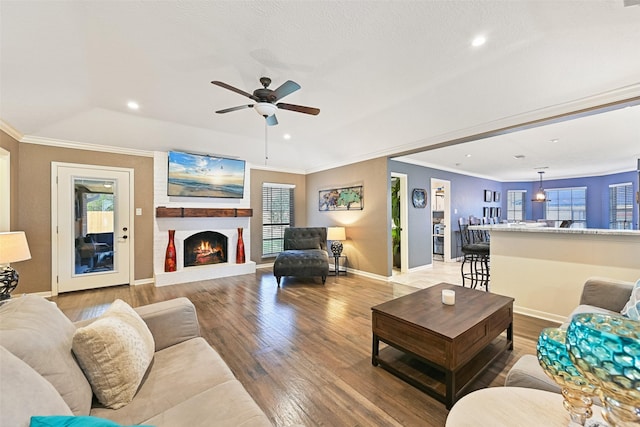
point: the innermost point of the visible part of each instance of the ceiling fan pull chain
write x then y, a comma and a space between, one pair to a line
266, 151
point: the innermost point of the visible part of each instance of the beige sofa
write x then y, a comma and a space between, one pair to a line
187, 383
599, 295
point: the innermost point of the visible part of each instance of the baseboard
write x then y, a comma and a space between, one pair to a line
46, 294
143, 281
539, 314
420, 268
368, 275
265, 265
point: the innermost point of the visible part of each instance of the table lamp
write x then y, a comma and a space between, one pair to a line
335, 235
553, 358
13, 248
606, 350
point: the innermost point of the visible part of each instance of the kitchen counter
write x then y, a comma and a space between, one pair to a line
544, 268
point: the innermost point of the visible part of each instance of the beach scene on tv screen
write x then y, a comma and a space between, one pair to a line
194, 175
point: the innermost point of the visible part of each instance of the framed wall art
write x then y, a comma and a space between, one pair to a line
496, 196
341, 199
419, 197
488, 195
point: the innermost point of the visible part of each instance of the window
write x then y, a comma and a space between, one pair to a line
277, 214
515, 205
620, 206
567, 204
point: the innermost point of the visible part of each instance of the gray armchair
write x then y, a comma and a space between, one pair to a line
304, 255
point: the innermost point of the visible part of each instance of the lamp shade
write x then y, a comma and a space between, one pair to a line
336, 233
13, 247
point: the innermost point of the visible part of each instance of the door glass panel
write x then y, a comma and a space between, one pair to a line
94, 225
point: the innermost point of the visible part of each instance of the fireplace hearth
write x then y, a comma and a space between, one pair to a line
204, 248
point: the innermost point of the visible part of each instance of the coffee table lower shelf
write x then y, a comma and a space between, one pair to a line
438, 382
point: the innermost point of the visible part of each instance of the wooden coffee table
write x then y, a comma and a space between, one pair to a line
441, 348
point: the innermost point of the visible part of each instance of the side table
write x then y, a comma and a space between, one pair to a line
513, 406
339, 265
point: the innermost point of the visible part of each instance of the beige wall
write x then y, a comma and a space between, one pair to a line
367, 230
258, 177
368, 234
34, 207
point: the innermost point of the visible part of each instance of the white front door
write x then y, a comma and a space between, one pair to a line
91, 226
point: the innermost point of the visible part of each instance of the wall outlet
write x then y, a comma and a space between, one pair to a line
138, 211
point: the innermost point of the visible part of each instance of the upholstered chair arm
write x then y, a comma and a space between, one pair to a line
606, 293
171, 322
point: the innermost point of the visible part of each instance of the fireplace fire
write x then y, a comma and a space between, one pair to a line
206, 247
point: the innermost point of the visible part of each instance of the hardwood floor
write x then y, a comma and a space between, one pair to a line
304, 351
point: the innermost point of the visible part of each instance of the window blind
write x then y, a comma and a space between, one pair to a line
277, 214
621, 206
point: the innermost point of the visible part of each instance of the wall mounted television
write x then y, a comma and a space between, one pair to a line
201, 175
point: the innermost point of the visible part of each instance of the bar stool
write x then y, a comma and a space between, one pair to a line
475, 255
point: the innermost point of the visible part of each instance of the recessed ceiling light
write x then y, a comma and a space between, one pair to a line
133, 105
468, 155
286, 136
519, 156
478, 41
554, 140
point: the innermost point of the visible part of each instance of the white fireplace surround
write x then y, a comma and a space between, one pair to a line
185, 227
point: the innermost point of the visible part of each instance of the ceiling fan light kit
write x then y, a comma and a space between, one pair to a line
265, 109
266, 100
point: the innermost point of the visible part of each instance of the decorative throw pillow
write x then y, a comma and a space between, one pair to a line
61, 421
632, 308
114, 352
25, 392
301, 244
39, 334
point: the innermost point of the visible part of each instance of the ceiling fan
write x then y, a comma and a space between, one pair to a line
266, 100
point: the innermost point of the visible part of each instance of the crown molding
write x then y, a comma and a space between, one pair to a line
10, 130
277, 169
27, 139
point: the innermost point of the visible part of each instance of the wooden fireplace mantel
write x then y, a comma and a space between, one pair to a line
164, 212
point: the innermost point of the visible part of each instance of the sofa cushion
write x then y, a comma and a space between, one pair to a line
38, 333
225, 405
114, 352
25, 392
177, 373
528, 373
632, 308
301, 244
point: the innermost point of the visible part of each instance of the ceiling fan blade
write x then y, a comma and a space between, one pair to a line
299, 108
228, 110
285, 89
271, 120
234, 89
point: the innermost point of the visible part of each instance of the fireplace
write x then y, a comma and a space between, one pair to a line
205, 247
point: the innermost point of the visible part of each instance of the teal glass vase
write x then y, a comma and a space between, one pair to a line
553, 358
606, 350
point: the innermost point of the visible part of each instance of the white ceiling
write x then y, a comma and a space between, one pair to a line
388, 76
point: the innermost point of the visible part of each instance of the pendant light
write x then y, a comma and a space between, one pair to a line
540, 195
